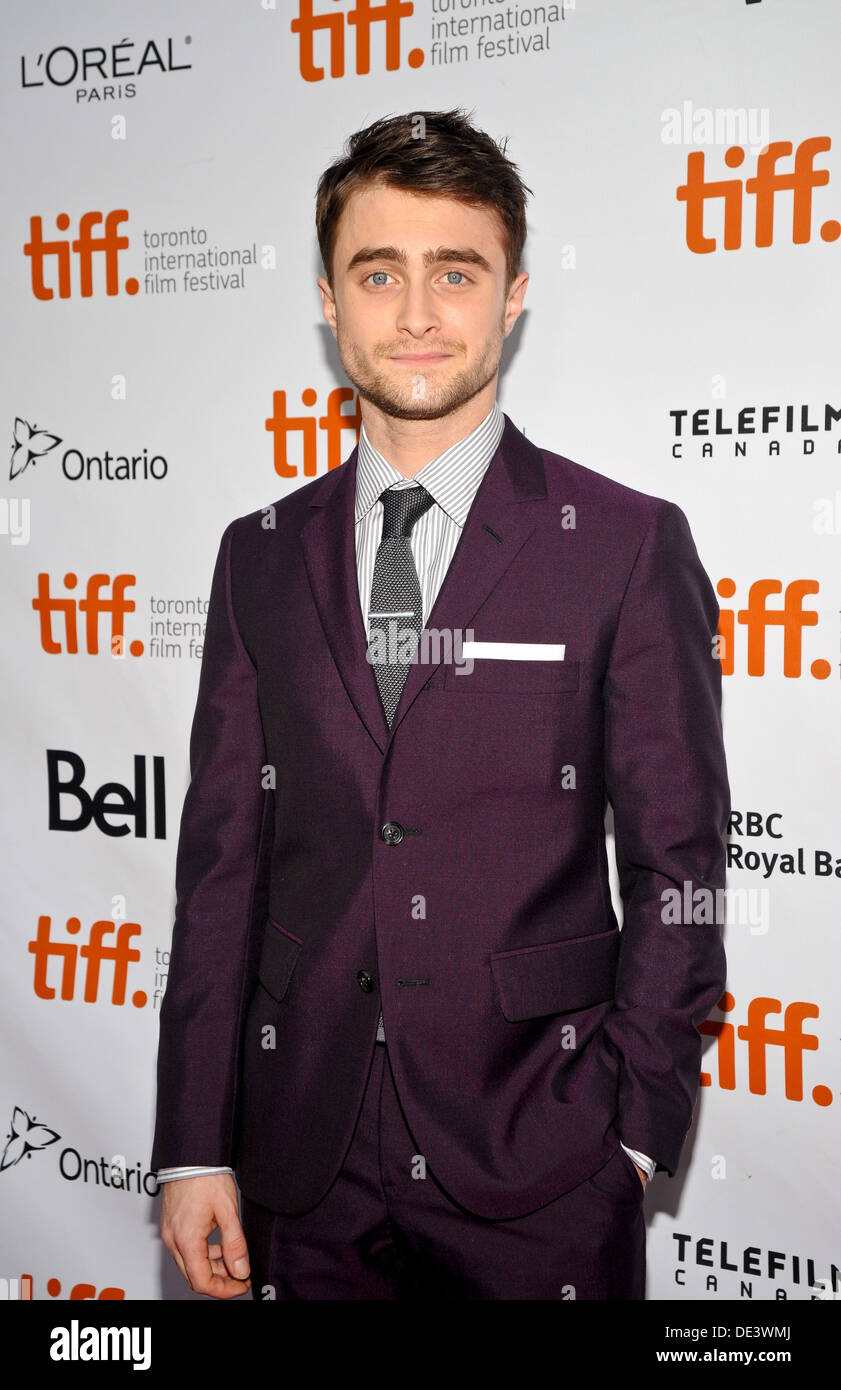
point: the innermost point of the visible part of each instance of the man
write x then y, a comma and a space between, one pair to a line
399, 1006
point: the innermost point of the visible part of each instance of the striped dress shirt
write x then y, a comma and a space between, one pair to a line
452, 479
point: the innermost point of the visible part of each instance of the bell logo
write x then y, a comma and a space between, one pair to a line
359, 20
792, 617
759, 1036
85, 246
113, 807
768, 181
120, 954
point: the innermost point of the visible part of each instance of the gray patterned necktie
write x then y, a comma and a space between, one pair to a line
395, 613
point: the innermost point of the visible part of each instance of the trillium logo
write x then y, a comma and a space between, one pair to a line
26, 1136
30, 444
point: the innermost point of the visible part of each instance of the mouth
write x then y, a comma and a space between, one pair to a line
414, 357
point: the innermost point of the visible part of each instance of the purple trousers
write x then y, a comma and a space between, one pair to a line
386, 1230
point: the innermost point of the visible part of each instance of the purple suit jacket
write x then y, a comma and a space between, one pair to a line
526, 1032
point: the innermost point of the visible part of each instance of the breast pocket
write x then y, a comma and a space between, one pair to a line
278, 958
495, 675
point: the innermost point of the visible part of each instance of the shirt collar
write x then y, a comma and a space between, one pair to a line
452, 478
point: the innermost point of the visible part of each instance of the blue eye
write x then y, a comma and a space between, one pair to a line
379, 272
455, 272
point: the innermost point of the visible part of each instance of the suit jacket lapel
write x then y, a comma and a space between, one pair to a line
495, 529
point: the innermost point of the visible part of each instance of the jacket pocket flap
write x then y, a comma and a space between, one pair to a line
556, 977
496, 675
278, 959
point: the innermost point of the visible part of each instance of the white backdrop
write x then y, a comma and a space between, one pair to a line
204, 120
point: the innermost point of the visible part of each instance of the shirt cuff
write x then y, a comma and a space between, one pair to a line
647, 1164
172, 1174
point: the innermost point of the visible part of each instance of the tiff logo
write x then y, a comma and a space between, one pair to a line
16, 1289
121, 954
759, 1036
767, 182
92, 606
19, 1289
359, 20
332, 423
58, 255
758, 617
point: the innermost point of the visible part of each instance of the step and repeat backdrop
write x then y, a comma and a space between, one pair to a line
167, 368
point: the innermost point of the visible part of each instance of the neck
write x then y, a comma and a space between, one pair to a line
410, 444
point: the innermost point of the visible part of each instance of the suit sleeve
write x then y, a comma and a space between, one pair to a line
219, 848
666, 779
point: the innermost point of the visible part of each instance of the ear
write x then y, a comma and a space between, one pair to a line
328, 303
514, 300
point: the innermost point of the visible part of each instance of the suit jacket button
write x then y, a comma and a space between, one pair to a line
366, 981
392, 832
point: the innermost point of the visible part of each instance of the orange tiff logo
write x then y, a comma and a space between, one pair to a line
359, 20
759, 1036
22, 1289
332, 423
120, 954
95, 603
757, 617
768, 181
56, 256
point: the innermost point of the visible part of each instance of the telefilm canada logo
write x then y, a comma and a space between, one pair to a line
106, 71
721, 1266
767, 431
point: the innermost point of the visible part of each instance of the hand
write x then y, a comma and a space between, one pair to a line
193, 1208
642, 1174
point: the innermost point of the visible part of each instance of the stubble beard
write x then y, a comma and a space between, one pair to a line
421, 397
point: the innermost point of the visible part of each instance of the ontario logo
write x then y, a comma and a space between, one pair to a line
31, 443
26, 1136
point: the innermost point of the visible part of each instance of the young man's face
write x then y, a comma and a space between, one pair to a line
419, 305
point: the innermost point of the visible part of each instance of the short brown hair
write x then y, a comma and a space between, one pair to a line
450, 159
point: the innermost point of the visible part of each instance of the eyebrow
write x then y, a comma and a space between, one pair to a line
465, 254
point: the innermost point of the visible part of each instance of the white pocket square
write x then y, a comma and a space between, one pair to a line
515, 651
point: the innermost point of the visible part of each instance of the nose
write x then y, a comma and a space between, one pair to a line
418, 312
